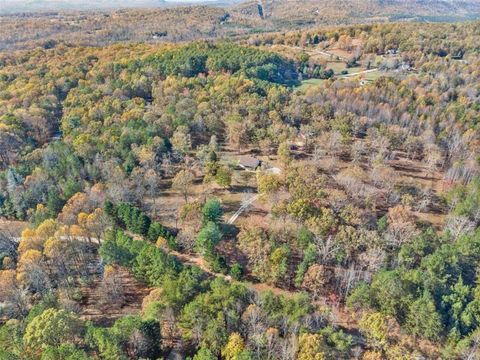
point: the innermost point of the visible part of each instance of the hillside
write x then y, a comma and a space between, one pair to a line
320, 12
308, 194
217, 20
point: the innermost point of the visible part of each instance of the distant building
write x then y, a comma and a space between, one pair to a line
249, 162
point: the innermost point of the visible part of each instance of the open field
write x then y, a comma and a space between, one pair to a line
306, 84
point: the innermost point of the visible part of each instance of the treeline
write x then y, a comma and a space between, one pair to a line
131, 218
194, 59
431, 39
148, 262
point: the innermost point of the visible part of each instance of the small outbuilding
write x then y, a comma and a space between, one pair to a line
249, 162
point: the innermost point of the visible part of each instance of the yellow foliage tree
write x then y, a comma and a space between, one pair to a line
310, 347
375, 327
26, 262
47, 229
234, 347
33, 239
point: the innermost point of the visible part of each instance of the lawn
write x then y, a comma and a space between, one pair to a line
309, 83
336, 66
372, 76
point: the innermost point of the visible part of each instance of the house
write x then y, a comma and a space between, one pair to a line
249, 162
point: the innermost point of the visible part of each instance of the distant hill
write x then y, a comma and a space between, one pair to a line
166, 21
10, 6
278, 9
305, 12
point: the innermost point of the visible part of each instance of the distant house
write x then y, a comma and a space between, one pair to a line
249, 162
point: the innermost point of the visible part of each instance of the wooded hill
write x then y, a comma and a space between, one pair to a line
359, 232
186, 23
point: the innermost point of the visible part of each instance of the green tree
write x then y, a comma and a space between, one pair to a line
223, 176
279, 263
204, 354
64, 352
212, 211
388, 290
215, 334
236, 271
52, 328
284, 154
455, 302
107, 344
54, 203
208, 238
301, 209
153, 265
11, 340
116, 248
268, 183
423, 320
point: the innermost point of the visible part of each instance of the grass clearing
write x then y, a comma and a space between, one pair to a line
306, 84
372, 76
336, 66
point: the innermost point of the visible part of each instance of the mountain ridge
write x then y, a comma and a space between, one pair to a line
168, 22
11, 6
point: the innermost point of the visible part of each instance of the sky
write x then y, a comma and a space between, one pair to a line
39, 5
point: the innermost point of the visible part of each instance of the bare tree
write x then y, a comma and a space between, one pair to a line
424, 200
183, 182
472, 352
458, 226
357, 151
8, 245
152, 185
433, 159
9, 146
167, 165
112, 288
326, 248
289, 347
374, 258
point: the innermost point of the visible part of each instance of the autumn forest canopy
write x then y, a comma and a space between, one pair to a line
296, 194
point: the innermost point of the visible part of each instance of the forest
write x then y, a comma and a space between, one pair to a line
27, 24
306, 194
